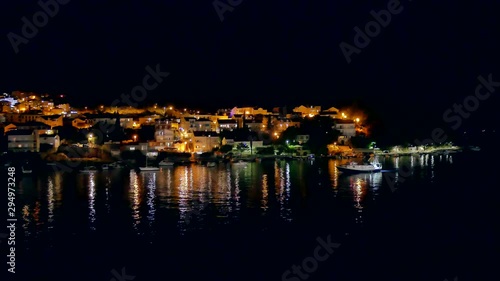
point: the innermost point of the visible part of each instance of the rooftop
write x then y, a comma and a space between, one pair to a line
19, 132
227, 121
205, 134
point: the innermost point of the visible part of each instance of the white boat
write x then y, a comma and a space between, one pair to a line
354, 167
166, 163
26, 170
89, 169
149, 169
105, 167
211, 164
475, 148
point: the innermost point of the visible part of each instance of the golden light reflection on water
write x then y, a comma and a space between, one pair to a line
334, 175
358, 186
279, 179
197, 195
135, 198
282, 187
183, 198
265, 193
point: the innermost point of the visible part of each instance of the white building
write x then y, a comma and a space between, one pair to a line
347, 129
205, 141
23, 141
228, 124
165, 138
52, 140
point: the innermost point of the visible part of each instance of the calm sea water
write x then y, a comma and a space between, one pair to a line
256, 222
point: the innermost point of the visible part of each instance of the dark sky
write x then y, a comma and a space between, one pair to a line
264, 53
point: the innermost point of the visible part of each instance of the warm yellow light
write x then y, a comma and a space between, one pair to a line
357, 119
170, 108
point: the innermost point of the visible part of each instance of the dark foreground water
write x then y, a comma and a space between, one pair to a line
267, 221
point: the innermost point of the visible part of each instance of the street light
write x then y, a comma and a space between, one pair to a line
90, 136
135, 138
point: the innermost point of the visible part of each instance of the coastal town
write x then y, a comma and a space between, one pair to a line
47, 125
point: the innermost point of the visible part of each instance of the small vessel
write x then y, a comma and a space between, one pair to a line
148, 168
211, 164
166, 163
105, 167
370, 167
474, 148
89, 169
26, 169
354, 167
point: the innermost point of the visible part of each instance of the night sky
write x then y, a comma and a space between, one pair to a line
264, 53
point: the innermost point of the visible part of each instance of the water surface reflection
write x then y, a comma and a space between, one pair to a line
189, 198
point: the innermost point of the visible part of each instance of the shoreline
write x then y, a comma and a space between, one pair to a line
453, 149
